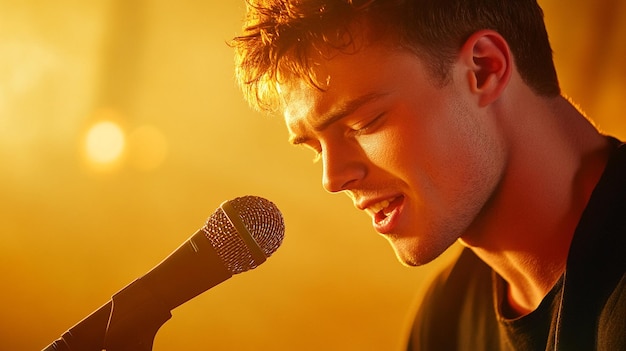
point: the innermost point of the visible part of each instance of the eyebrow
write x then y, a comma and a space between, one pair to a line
337, 114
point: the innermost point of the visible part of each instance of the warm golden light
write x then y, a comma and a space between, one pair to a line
147, 148
104, 143
122, 130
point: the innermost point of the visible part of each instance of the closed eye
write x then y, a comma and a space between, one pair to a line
368, 126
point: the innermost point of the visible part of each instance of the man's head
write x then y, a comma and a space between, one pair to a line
407, 104
282, 38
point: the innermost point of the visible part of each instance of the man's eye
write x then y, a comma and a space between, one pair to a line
362, 128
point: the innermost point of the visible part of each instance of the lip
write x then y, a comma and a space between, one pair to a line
381, 223
365, 203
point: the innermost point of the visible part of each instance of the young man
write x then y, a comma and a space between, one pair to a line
443, 119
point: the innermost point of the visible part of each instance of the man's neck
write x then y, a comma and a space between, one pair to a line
524, 234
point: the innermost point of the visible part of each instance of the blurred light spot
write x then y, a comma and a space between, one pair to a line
104, 143
147, 148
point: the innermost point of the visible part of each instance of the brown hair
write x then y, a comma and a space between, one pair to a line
281, 36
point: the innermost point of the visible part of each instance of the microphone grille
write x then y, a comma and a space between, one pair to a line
263, 221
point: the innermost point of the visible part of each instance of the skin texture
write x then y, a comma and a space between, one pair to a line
407, 139
465, 161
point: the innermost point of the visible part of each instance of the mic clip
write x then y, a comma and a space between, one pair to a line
135, 319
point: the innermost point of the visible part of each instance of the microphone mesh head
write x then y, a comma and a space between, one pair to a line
262, 219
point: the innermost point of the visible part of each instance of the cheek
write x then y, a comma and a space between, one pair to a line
449, 147
387, 149
469, 161
453, 134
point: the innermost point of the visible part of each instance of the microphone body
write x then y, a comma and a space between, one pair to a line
238, 236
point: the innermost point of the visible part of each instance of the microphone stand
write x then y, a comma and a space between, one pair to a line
129, 322
131, 319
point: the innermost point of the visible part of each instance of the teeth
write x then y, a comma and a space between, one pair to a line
386, 212
378, 207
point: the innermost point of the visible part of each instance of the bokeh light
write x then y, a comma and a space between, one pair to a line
104, 143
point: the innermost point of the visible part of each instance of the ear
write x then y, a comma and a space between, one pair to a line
488, 58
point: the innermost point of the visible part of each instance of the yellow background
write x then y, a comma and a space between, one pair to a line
72, 233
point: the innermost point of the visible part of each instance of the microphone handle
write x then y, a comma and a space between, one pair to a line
128, 322
131, 319
96, 323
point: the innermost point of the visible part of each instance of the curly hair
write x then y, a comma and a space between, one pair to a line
281, 37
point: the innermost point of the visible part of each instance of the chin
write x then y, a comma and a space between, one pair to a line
413, 260
414, 254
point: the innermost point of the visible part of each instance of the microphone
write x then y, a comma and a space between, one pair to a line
237, 237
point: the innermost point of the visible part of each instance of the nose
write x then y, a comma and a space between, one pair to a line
343, 167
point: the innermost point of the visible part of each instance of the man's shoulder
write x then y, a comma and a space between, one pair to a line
593, 307
459, 296
466, 269
466, 280
612, 321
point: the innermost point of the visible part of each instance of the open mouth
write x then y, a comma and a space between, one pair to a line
382, 211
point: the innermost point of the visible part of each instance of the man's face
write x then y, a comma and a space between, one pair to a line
422, 160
